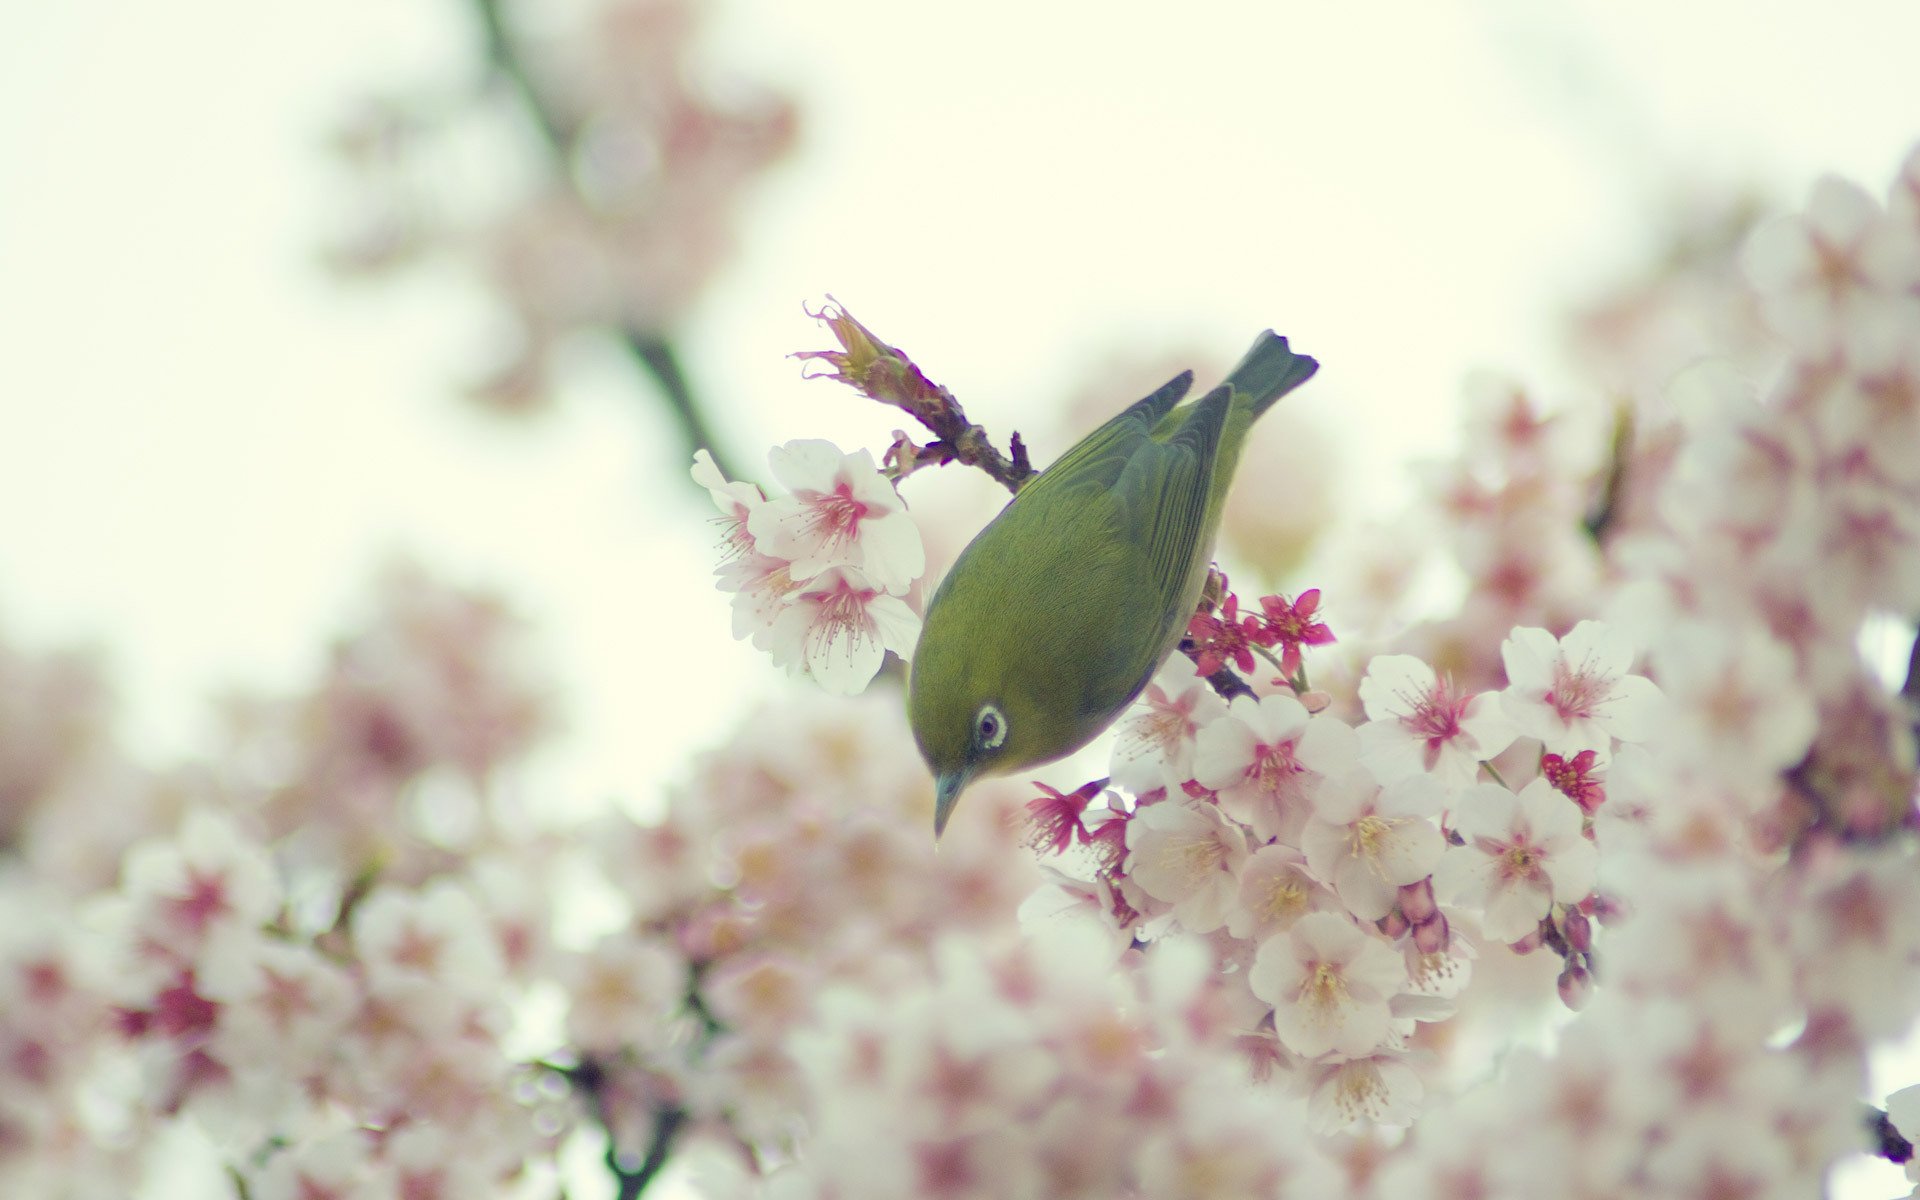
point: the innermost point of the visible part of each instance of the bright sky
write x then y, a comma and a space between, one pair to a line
208, 445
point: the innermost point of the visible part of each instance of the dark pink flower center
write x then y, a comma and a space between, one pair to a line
837, 515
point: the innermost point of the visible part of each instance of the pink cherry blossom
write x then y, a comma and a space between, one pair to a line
1275, 891
1379, 1089
1369, 840
1523, 854
1812, 270
1186, 855
841, 513
1419, 721
1329, 985
837, 629
1153, 745
1575, 693
736, 502
1262, 756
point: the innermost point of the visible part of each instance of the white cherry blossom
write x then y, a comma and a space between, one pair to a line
1330, 985
1369, 840
1419, 721
841, 513
837, 629
1523, 854
1575, 693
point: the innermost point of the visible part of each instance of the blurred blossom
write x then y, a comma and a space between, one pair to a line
647, 160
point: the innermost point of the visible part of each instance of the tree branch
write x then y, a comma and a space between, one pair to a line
650, 349
880, 372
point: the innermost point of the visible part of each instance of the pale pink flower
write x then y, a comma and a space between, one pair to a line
1811, 269
842, 513
1262, 755
1420, 721
1369, 840
1523, 854
625, 991
1575, 693
209, 880
1380, 1089
763, 588
1330, 985
1186, 855
1276, 891
437, 934
736, 502
282, 1006
1153, 745
837, 629
1738, 706
1856, 943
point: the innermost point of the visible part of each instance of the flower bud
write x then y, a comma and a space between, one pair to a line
1578, 931
1527, 944
1393, 924
1433, 935
1608, 910
1416, 900
1576, 987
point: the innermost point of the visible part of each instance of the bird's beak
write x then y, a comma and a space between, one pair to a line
946, 794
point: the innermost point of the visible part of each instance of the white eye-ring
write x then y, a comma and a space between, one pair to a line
989, 727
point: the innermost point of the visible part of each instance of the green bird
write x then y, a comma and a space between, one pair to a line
1058, 612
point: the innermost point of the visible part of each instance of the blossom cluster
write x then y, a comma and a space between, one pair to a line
818, 573
1328, 866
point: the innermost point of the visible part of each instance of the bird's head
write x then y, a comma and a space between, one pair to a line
972, 718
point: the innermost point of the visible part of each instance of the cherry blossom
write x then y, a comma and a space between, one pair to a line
1329, 985
837, 628
1523, 854
1275, 891
1293, 626
736, 502
1369, 840
1575, 693
1186, 856
1153, 746
840, 512
1418, 721
1262, 756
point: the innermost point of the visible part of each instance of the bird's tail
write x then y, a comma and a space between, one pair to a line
1269, 371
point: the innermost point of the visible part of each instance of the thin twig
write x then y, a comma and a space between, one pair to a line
882, 372
1600, 520
1887, 1141
650, 349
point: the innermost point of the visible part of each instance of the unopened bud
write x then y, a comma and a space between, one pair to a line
1393, 924
1416, 900
1576, 987
1608, 910
1433, 935
1527, 944
1577, 930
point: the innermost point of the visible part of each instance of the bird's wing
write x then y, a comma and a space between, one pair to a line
1099, 459
1163, 495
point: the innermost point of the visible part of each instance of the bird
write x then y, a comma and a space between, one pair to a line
1063, 606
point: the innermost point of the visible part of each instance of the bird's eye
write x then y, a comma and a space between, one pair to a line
989, 727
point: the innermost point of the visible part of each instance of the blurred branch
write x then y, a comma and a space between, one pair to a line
1600, 519
651, 350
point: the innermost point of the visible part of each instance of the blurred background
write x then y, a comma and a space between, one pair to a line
249, 264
